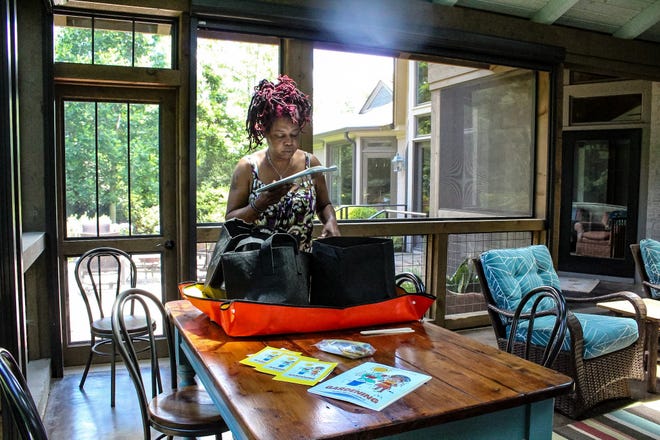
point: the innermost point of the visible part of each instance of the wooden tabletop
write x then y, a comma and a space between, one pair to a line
626, 308
469, 379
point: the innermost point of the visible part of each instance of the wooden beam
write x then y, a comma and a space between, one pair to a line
552, 11
640, 22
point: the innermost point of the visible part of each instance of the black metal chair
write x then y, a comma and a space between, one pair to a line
181, 411
17, 400
101, 274
544, 351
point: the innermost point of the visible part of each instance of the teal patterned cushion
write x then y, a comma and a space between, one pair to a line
650, 250
510, 273
602, 334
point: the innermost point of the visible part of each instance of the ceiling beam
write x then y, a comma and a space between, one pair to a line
552, 11
445, 2
640, 22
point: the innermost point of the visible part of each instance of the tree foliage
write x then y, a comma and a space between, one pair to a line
112, 155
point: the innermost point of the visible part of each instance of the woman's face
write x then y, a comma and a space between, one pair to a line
283, 138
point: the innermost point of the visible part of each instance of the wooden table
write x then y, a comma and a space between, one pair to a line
652, 324
477, 391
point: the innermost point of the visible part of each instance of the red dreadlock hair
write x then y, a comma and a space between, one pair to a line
271, 101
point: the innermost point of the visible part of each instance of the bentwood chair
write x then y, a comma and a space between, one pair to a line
548, 315
101, 274
180, 411
647, 261
600, 352
17, 400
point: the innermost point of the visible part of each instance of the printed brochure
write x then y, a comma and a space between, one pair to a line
292, 178
371, 385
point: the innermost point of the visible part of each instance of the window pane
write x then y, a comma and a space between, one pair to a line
72, 38
351, 90
80, 168
340, 184
227, 72
617, 108
422, 176
144, 169
112, 169
422, 83
153, 45
379, 174
115, 42
487, 147
423, 124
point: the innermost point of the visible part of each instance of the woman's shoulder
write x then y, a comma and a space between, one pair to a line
311, 160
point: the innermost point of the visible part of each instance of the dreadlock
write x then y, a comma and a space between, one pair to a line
271, 101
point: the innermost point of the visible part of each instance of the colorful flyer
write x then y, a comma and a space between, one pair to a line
371, 385
307, 372
266, 355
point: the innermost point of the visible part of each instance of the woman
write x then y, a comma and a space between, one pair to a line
278, 113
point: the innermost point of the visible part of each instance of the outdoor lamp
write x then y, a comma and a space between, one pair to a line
398, 163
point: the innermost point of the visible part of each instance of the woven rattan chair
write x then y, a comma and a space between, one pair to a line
600, 352
179, 411
17, 400
652, 290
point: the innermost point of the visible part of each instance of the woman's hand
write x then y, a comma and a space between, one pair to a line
267, 198
330, 229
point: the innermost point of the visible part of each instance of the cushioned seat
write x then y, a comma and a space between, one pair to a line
603, 334
600, 352
650, 251
514, 272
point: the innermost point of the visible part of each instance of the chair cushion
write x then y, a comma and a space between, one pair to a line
596, 235
650, 250
510, 273
602, 334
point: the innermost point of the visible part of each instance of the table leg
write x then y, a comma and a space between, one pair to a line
652, 356
185, 371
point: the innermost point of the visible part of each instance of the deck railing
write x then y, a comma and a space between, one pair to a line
430, 248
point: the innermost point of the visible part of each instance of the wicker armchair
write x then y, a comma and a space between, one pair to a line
648, 270
600, 372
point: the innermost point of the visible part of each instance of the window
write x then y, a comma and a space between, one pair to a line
340, 184
423, 93
615, 108
227, 72
111, 155
113, 41
486, 162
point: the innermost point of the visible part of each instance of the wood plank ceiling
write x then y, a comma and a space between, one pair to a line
626, 19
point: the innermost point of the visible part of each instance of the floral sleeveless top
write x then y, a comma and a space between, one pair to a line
294, 212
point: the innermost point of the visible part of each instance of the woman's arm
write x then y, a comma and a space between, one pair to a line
238, 205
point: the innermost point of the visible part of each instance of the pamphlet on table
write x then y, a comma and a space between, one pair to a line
371, 385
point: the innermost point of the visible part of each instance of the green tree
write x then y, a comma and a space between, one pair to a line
227, 72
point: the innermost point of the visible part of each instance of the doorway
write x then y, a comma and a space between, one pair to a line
116, 173
600, 187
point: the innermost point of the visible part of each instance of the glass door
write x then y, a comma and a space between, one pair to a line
600, 183
117, 159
